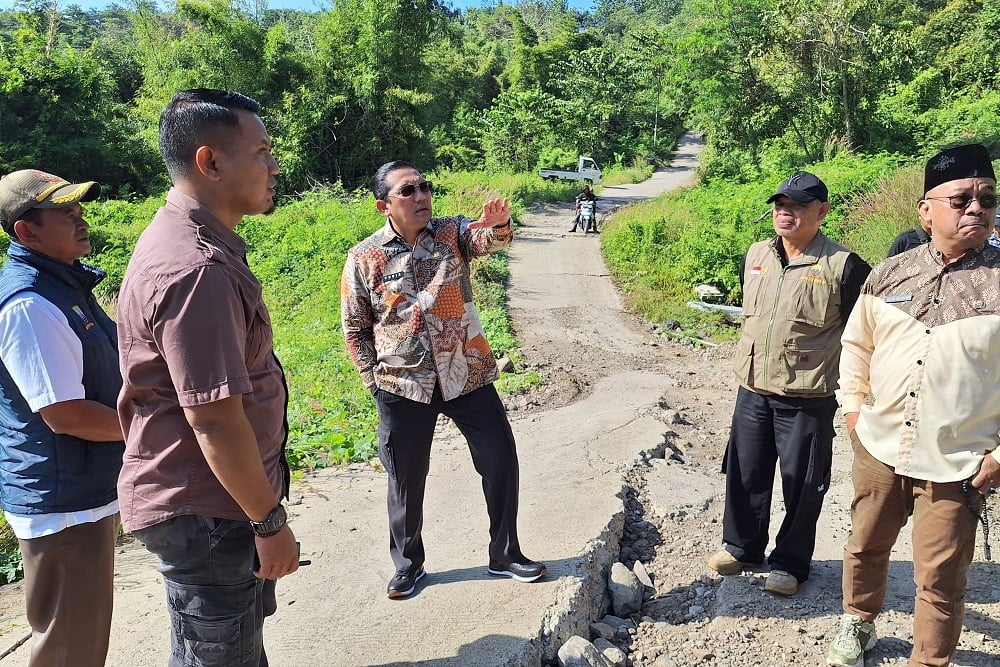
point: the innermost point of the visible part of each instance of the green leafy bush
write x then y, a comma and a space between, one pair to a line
11, 568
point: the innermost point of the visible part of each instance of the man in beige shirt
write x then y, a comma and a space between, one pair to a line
920, 391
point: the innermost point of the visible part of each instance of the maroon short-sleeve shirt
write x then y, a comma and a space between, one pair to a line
192, 329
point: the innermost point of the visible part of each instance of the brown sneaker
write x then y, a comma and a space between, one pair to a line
782, 583
724, 562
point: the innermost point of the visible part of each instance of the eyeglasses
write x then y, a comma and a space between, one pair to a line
410, 189
961, 202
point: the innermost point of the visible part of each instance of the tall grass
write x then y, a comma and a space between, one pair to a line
658, 251
879, 215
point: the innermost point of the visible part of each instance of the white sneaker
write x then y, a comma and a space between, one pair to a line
855, 637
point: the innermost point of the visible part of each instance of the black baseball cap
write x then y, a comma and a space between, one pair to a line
803, 187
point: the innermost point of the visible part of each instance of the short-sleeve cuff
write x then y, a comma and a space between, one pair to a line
195, 397
36, 403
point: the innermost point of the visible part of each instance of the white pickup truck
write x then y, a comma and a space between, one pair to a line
586, 170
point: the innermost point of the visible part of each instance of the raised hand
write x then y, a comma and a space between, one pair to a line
495, 212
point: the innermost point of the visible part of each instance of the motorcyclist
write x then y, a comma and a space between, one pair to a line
585, 195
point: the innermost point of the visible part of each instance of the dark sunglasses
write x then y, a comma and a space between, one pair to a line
961, 202
409, 189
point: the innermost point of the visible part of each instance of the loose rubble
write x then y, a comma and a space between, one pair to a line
689, 615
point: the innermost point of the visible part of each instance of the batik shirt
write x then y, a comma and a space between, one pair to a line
923, 346
407, 312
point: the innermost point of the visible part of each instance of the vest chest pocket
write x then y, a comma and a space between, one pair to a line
811, 298
752, 287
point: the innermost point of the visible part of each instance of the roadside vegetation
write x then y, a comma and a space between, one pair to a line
658, 251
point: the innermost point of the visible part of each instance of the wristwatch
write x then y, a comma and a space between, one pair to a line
273, 524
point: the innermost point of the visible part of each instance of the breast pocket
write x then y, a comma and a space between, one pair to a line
812, 301
260, 338
752, 295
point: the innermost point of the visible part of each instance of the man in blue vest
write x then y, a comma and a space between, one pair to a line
60, 438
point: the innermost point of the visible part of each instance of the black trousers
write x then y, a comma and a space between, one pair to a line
405, 432
797, 434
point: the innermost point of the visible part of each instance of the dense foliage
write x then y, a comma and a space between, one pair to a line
771, 83
343, 90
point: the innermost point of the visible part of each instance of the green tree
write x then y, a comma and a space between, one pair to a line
61, 110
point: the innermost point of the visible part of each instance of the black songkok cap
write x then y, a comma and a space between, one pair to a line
969, 161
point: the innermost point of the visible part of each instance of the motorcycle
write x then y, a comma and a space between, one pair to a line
588, 218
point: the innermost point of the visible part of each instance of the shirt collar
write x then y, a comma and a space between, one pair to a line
193, 209
388, 234
970, 254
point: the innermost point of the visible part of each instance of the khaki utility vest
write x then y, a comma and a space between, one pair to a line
791, 332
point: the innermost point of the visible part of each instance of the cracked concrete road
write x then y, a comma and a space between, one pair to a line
573, 452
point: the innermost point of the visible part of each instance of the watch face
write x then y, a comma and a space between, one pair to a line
274, 522
279, 516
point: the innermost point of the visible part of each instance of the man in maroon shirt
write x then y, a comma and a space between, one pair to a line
204, 402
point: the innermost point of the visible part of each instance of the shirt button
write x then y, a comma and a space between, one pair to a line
909, 423
937, 302
920, 362
927, 331
913, 394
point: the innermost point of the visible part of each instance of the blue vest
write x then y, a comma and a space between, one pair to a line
42, 472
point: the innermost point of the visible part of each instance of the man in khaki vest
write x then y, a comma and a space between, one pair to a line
798, 289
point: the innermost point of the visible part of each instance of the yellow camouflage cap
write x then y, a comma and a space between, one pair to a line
26, 189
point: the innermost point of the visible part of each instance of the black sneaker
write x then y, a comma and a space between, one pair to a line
403, 584
524, 571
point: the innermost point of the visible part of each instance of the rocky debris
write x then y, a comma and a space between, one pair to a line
614, 655
602, 630
640, 571
625, 590
578, 652
692, 617
505, 365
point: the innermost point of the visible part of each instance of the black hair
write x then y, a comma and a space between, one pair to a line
195, 117
32, 215
380, 184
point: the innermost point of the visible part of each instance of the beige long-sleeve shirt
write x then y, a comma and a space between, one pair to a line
924, 342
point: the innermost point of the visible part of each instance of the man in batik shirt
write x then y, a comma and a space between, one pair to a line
415, 336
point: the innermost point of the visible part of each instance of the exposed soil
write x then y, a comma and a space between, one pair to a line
675, 503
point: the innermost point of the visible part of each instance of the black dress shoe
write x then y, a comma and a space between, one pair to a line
525, 570
403, 584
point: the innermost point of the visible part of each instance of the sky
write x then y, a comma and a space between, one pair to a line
310, 5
